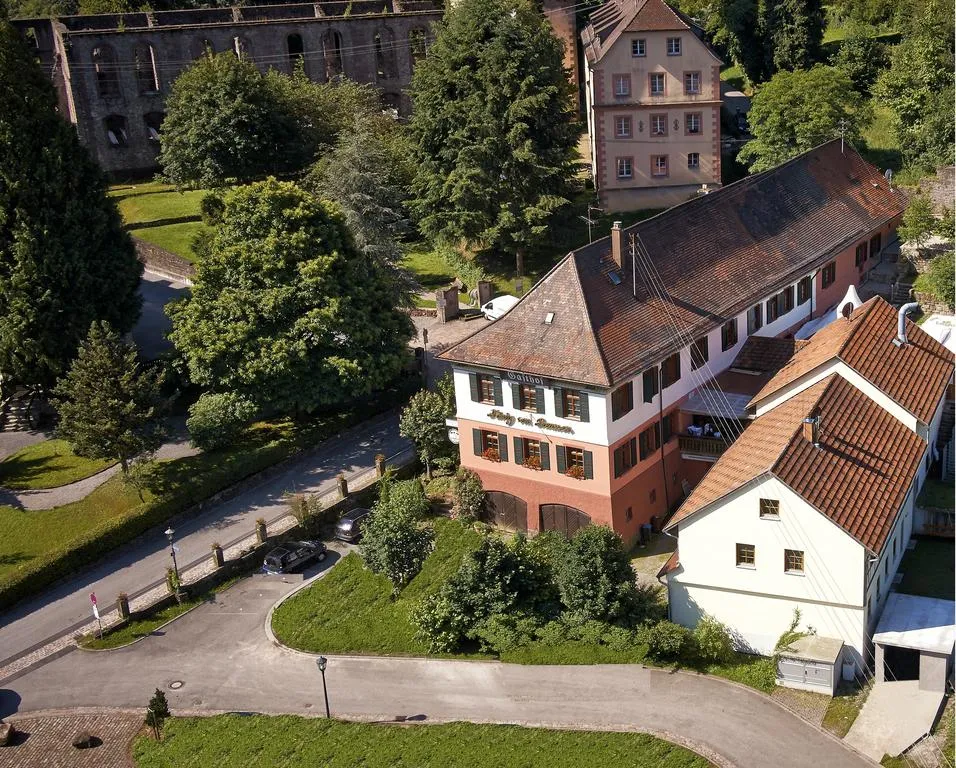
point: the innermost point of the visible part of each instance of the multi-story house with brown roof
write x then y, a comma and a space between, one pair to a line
609, 390
652, 90
812, 507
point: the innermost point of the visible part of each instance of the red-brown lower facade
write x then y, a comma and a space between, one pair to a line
527, 499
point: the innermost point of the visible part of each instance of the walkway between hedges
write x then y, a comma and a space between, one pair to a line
219, 658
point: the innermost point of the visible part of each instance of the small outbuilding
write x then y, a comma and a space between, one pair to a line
915, 640
811, 663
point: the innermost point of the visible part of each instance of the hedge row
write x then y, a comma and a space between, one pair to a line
229, 468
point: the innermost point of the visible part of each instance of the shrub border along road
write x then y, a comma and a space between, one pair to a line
272, 456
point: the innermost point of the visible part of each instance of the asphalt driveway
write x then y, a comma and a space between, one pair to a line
222, 656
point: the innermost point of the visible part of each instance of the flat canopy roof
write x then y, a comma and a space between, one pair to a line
706, 401
919, 623
814, 648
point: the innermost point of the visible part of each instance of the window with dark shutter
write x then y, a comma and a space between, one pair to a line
803, 290
671, 370
786, 297
773, 309
561, 456
588, 465
650, 385
473, 385
754, 319
584, 407
622, 401
519, 450
558, 402
503, 446
876, 243
545, 456
860, 256
828, 277
699, 353
728, 335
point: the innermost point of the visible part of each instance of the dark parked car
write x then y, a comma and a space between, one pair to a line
349, 527
293, 554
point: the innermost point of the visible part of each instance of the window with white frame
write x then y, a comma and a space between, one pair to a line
658, 165
657, 82
692, 121
673, 46
692, 83
622, 85
658, 125
624, 169
622, 126
693, 160
639, 47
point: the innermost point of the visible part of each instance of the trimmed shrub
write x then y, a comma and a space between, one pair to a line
712, 640
667, 640
595, 577
469, 495
217, 419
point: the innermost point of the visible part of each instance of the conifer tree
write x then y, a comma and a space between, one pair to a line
109, 406
65, 260
493, 127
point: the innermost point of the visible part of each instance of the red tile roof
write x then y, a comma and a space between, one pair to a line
858, 477
766, 354
716, 255
914, 376
672, 564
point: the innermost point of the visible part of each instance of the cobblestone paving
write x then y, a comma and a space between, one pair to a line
810, 706
46, 741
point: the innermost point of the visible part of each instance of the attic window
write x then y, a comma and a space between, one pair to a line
615, 278
549, 318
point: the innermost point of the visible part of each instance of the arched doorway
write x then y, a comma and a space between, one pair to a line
561, 517
505, 510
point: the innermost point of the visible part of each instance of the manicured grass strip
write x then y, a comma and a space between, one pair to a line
152, 202
230, 741
928, 570
351, 610
138, 629
175, 238
47, 465
843, 709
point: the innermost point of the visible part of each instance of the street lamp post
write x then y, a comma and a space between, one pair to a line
172, 551
322, 663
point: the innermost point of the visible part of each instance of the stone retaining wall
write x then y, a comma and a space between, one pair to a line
163, 263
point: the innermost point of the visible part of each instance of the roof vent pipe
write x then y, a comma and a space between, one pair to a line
617, 244
901, 321
811, 430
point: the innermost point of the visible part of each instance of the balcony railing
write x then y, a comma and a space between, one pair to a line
702, 447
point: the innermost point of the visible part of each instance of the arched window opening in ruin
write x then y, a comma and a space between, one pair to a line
202, 47
154, 123
332, 53
242, 48
385, 55
417, 45
295, 49
107, 76
116, 131
144, 63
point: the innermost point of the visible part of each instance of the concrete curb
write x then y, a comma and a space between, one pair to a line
139, 639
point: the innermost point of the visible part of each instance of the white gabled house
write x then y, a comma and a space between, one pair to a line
812, 507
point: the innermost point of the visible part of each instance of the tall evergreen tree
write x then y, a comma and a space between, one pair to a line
285, 310
109, 406
367, 174
65, 260
493, 127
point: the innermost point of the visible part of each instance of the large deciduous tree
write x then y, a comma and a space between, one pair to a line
226, 122
285, 310
65, 260
796, 111
109, 406
595, 577
493, 128
918, 87
423, 421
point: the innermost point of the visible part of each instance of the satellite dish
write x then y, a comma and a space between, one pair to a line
888, 174
847, 309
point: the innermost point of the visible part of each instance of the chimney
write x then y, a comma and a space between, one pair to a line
811, 430
901, 339
617, 246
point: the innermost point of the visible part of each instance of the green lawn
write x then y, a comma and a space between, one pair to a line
429, 267
143, 203
47, 465
260, 741
351, 610
734, 77
844, 707
136, 630
882, 145
175, 238
928, 569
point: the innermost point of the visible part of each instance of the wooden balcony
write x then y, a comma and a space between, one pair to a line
702, 448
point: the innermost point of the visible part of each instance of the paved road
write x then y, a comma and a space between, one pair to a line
225, 661
143, 563
150, 332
